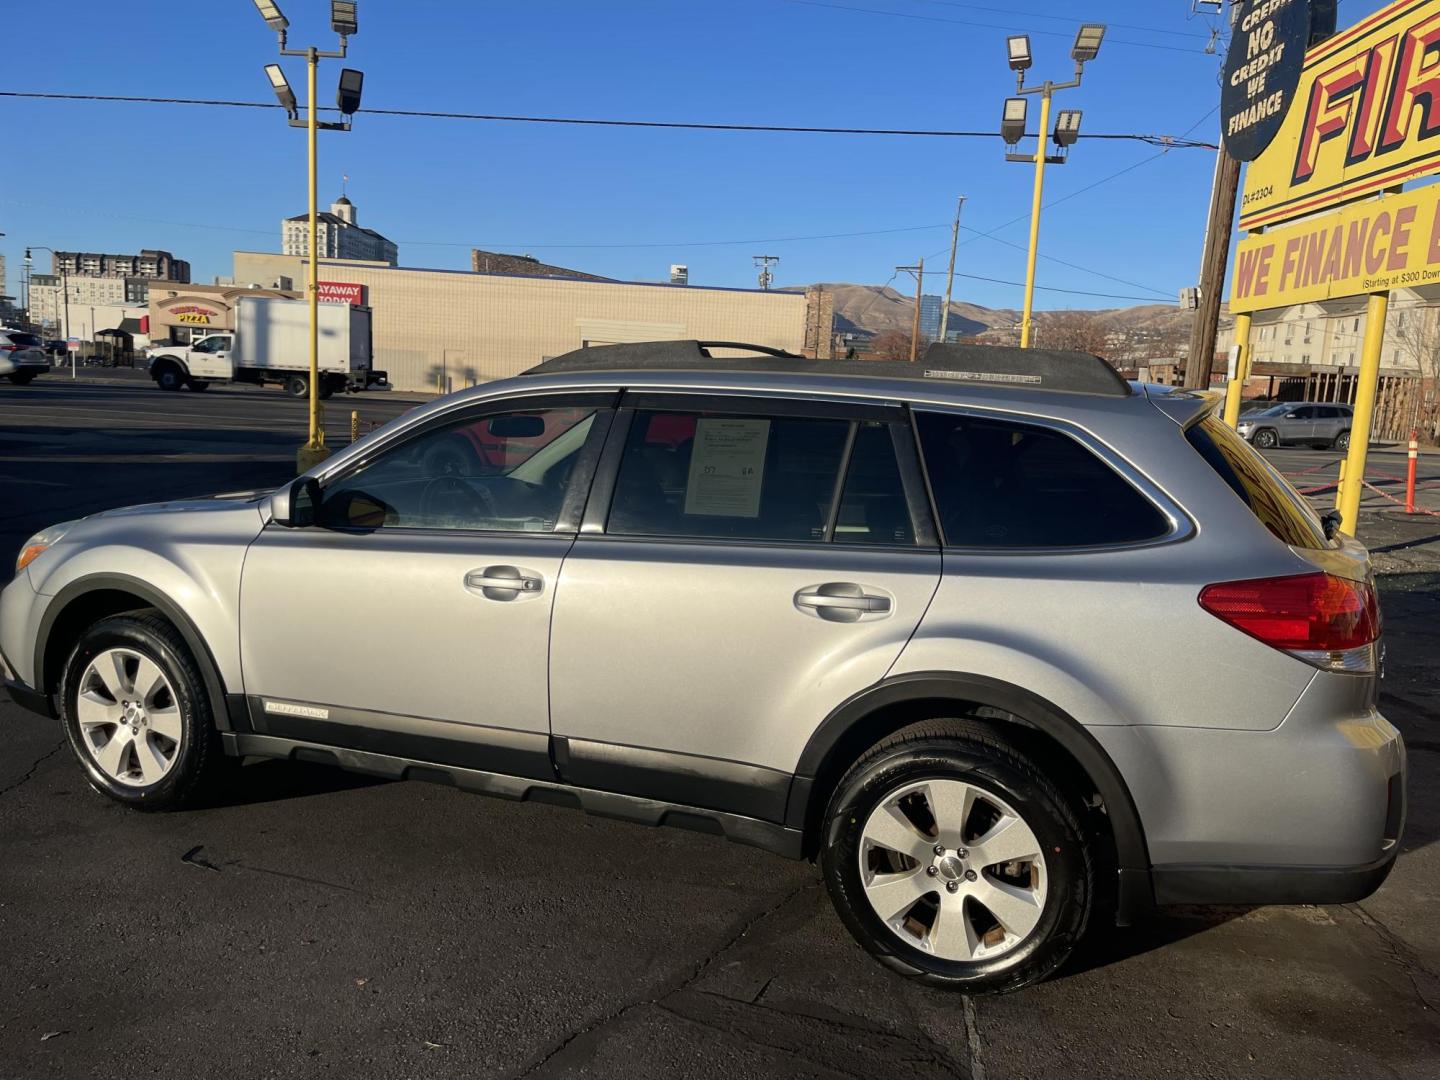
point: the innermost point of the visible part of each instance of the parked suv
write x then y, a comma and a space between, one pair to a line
917, 622
22, 356
1318, 425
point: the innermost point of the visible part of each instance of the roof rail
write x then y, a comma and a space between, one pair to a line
993, 365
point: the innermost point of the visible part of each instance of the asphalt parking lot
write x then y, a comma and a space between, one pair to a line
311, 923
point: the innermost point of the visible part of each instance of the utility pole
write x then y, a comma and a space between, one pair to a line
950, 274
919, 272
1213, 263
764, 262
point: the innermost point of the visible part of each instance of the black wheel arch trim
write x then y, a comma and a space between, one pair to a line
223, 703
1132, 852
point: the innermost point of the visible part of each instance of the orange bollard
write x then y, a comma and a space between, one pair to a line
1410, 474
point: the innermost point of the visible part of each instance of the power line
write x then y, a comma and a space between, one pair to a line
520, 245
987, 26
681, 125
1064, 18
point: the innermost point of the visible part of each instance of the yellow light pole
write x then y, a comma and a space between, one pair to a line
1352, 480
1067, 130
1241, 374
343, 21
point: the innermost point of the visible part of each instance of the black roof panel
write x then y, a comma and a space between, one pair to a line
988, 365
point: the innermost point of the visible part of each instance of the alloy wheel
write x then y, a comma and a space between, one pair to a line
953, 870
129, 717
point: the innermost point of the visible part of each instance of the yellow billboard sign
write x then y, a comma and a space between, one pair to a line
1387, 243
1366, 117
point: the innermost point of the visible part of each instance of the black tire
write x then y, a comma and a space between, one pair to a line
962, 750
22, 378
198, 385
198, 756
1342, 441
297, 386
169, 377
1265, 439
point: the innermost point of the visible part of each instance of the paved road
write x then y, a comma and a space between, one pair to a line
316, 924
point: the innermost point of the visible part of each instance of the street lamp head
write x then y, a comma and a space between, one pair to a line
1067, 127
270, 12
343, 19
1087, 42
1012, 121
1018, 46
351, 83
281, 85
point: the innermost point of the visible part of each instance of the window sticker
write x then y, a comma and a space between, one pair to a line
727, 468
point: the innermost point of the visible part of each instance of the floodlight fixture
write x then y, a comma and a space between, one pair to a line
1012, 123
351, 83
270, 12
1087, 42
281, 85
1067, 127
1019, 49
343, 19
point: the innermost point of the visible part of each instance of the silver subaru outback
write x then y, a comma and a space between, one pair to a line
1008, 646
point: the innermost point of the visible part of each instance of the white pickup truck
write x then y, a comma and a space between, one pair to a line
271, 344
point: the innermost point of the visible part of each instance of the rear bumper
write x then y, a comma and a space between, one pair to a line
1271, 884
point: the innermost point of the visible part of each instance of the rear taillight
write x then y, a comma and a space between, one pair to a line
1328, 621
9, 348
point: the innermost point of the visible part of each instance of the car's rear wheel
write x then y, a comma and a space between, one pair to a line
1342, 441
952, 858
297, 386
22, 378
137, 714
1266, 439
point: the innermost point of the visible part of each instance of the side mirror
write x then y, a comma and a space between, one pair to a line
1331, 522
294, 505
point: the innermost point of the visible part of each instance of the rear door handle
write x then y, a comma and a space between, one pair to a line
504, 582
842, 601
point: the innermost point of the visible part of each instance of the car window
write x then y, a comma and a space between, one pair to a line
1306, 413
1001, 484
1270, 497
502, 472
724, 476
873, 509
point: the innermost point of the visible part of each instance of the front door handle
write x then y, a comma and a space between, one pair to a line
504, 582
842, 601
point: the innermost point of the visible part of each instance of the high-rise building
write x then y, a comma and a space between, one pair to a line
930, 308
150, 264
338, 235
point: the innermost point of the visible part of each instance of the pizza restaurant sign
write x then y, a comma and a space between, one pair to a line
196, 316
1365, 117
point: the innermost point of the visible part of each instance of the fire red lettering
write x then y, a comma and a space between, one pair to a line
1416, 86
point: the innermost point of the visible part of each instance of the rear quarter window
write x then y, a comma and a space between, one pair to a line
1000, 484
1270, 497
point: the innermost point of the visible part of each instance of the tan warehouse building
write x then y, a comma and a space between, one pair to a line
436, 329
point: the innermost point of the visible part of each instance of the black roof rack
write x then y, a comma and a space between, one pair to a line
989, 365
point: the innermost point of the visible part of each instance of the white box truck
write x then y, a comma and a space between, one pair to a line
271, 344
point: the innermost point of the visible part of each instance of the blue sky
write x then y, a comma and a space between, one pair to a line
202, 182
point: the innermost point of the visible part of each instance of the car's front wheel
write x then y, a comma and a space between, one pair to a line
137, 714
1265, 439
952, 858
